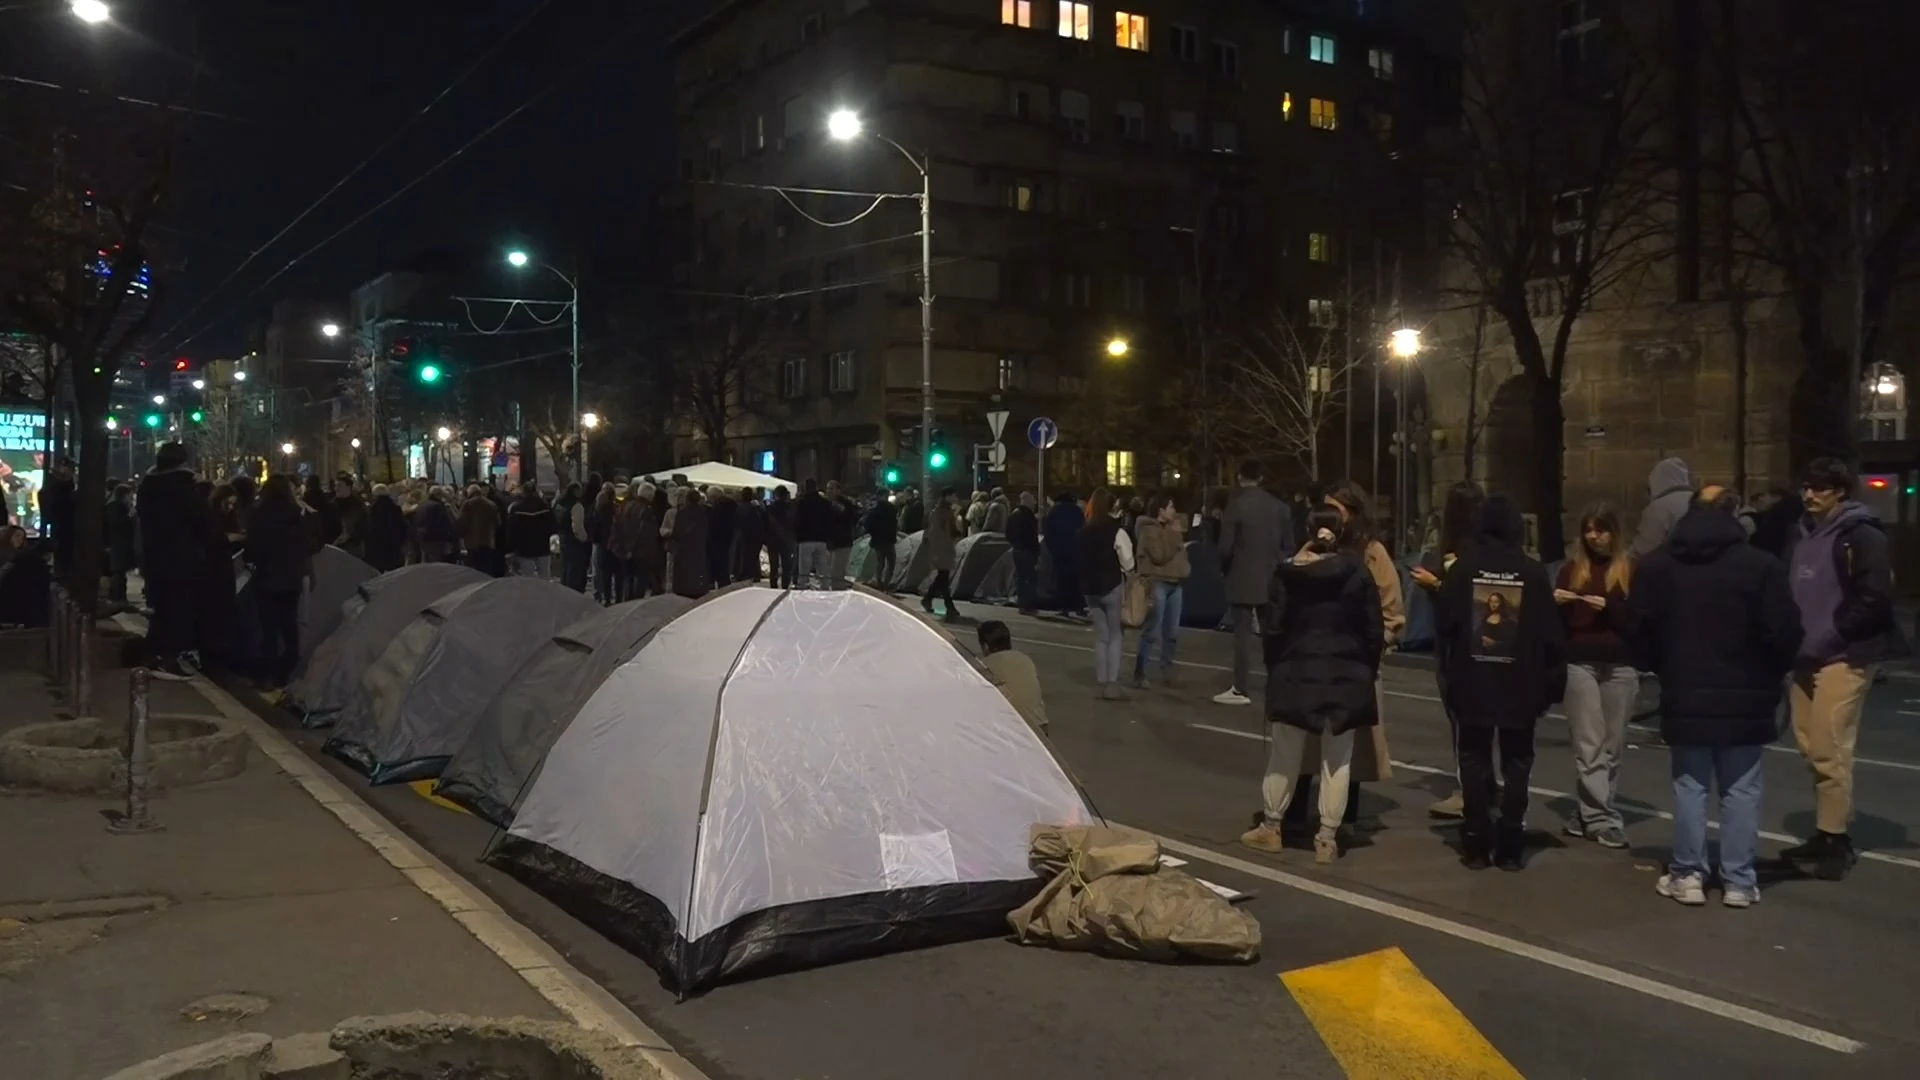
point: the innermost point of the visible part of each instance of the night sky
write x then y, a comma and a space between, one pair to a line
314, 87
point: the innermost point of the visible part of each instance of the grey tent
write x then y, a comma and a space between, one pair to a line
997, 585
912, 564
514, 731
418, 701
337, 577
973, 557
785, 779
380, 608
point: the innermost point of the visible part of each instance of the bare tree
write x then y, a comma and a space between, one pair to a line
1474, 359
1828, 144
1555, 203
721, 361
1286, 385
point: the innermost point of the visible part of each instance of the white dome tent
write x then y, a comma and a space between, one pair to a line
787, 779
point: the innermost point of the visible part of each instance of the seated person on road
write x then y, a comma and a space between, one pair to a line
1013, 672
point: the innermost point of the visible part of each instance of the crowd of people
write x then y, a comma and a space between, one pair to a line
1740, 613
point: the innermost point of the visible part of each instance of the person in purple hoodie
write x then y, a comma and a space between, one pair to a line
1843, 587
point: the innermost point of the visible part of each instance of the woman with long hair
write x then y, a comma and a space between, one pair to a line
1456, 532
1591, 593
1323, 660
1103, 557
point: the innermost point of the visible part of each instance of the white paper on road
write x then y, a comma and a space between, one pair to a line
1231, 896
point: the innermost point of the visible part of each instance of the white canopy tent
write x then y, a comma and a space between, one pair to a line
716, 474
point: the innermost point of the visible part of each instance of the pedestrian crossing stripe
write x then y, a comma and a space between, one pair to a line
424, 789
1382, 1020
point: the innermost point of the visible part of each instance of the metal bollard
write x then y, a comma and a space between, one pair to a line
53, 638
136, 818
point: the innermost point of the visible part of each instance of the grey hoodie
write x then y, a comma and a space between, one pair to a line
1670, 488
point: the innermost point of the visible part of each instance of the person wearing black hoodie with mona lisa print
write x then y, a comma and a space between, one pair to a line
1506, 662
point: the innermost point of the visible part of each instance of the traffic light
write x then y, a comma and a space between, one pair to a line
152, 420
891, 476
180, 364
197, 416
937, 450
427, 372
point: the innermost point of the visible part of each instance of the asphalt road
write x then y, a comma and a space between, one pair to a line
1574, 968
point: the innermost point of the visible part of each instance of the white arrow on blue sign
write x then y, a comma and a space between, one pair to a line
1043, 433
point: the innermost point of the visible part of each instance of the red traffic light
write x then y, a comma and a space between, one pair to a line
180, 364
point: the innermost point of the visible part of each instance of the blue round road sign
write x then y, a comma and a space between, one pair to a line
1043, 433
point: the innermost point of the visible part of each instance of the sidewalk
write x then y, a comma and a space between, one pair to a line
253, 890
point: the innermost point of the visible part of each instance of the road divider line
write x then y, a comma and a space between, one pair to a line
1377, 1014
1625, 980
1550, 793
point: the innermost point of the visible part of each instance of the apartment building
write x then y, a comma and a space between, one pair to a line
1136, 171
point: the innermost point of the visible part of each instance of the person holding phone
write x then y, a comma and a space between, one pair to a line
1590, 592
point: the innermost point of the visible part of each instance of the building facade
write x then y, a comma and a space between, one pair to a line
1137, 172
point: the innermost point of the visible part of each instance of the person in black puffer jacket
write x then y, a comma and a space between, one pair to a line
176, 532
1324, 638
1715, 620
282, 561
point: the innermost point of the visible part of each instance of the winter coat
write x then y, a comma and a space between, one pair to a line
812, 514
1323, 644
176, 529
1160, 551
352, 537
1060, 530
883, 526
438, 538
688, 544
1102, 557
1670, 491
913, 517
780, 523
997, 514
25, 581
629, 528
1714, 619
840, 524
386, 534
1023, 529
940, 537
749, 537
1506, 651
479, 524
277, 548
1842, 582
530, 528
1256, 534
123, 539
721, 513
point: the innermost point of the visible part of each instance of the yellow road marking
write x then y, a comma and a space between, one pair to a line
424, 789
1382, 1020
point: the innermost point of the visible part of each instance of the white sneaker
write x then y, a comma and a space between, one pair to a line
1688, 889
1740, 898
1231, 696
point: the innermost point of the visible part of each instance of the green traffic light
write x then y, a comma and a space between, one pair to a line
937, 459
197, 416
891, 476
153, 420
429, 373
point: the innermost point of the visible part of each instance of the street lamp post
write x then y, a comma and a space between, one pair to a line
844, 125
518, 259
1405, 344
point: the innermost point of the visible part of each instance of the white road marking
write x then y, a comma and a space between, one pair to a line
1549, 793
1639, 984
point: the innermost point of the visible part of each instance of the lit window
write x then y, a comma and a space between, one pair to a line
1130, 120
766, 462
1226, 59
1017, 13
1186, 43
1076, 20
840, 372
1323, 114
1020, 195
1381, 61
1120, 468
793, 377
1130, 31
1320, 313
1320, 48
1186, 129
1286, 106
1320, 247
1006, 373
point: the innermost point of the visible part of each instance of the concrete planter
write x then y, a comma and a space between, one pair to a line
408, 1046
85, 757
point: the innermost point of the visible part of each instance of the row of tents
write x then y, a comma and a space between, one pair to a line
753, 781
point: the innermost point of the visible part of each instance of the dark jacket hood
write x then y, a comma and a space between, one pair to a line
1845, 516
1703, 533
1499, 522
1670, 474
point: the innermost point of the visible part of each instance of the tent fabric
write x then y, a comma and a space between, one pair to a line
861, 565
716, 474
748, 793
912, 564
973, 557
514, 731
386, 604
996, 586
418, 702
337, 577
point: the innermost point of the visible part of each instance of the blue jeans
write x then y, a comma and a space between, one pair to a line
1737, 769
1163, 626
1108, 636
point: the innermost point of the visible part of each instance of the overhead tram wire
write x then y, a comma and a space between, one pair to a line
462, 77
606, 48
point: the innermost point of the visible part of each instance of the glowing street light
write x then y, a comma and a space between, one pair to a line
113, 423
1118, 347
159, 399
443, 433
590, 420
844, 124
199, 384
1406, 343
330, 329
516, 259
354, 442
286, 448
90, 11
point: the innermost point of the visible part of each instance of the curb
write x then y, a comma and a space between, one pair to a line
571, 993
